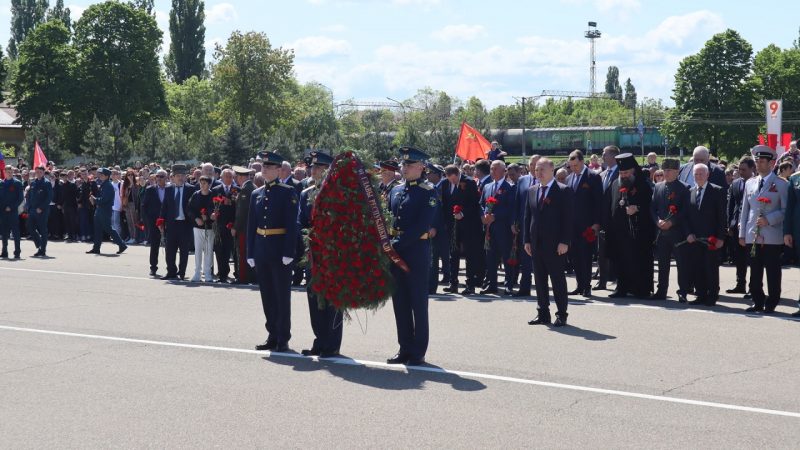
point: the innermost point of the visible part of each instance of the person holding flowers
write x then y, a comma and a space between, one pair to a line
201, 211
587, 188
498, 210
668, 210
761, 228
225, 210
705, 217
461, 201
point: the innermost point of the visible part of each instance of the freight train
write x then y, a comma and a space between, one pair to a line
561, 141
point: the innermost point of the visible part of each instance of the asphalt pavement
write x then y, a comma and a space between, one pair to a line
95, 354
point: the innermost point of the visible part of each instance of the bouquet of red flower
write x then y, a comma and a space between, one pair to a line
491, 202
350, 266
23, 216
673, 210
763, 202
589, 235
218, 201
457, 210
160, 225
160, 222
140, 226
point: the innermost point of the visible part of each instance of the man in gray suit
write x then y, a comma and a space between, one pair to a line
701, 155
761, 226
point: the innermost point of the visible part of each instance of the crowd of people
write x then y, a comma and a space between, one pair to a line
533, 223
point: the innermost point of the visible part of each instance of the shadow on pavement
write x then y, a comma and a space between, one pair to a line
589, 335
381, 378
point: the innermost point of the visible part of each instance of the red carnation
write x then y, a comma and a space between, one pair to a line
457, 209
589, 235
203, 211
712, 242
160, 222
229, 225
673, 209
140, 226
23, 216
623, 190
512, 262
764, 200
491, 201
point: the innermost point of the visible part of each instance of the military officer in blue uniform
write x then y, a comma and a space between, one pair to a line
102, 213
413, 206
272, 232
11, 196
39, 197
326, 321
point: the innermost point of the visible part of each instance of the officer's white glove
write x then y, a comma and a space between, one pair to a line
287, 261
251, 262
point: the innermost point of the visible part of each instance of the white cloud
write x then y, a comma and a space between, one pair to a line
623, 9
460, 32
317, 46
75, 12
221, 13
417, 2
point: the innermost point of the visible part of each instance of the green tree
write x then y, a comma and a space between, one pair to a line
44, 81
118, 69
147, 6
613, 88
709, 86
49, 133
187, 51
312, 106
193, 107
234, 150
25, 16
120, 149
254, 79
59, 12
4, 71
96, 140
150, 140
474, 113
630, 95
253, 137
776, 74
175, 145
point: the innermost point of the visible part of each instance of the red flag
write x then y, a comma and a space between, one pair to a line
772, 141
471, 146
786, 140
761, 140
38, 155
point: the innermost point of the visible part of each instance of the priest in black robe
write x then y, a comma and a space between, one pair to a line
631, 231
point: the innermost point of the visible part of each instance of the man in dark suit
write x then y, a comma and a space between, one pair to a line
102, 214
548, 231
69, 193
701, 155
706, 220
440, 236
178, 227
246, 187
39, 196
587, 198
152, 200
498, 209
669, 210
523, 187
223, 243
287, 178
735, 197
465, 227
604, 265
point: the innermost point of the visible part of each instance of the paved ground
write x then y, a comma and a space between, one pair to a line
95, 354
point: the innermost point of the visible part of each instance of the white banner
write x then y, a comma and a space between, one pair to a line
774, 119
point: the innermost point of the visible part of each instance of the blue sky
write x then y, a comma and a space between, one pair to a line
371, 49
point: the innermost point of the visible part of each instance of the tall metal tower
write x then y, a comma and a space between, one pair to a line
592, 34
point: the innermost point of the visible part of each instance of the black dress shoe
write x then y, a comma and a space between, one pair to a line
468, 291
682, 298
122, 249
768, 310
754, 309
153, 273
399, 358
737, 290
330, 354
311, 352
267, 345
222, 281
575, 292
16, 256
281, 348
617, 294
600, 287
522, 293
560, 322
169, 277
748, 296
489, 291
587, 292
540, 320
4, 255
508, 292
699, 301
415, 362
658, 296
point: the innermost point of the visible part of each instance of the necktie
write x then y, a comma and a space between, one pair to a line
760, 185
576, 181
179, 201
541, 197
699, 197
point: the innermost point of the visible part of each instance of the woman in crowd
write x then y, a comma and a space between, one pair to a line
201, 209
130, 198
